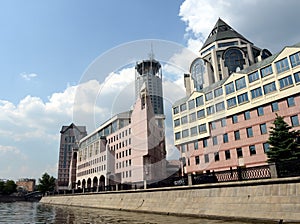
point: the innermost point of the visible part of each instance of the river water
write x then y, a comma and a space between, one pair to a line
34, 212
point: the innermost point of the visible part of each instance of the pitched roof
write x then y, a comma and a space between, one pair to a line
222, 31
71, 126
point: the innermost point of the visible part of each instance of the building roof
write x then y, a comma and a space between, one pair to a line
222, 31
264, 62
259, 64
252, 68
180, 101
71, 126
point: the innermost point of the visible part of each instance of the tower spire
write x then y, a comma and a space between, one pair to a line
151, 54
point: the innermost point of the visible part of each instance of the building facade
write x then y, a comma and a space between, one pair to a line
234, 92
129, 148
69, 139
26, 184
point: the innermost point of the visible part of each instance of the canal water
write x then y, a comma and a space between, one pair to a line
34, 212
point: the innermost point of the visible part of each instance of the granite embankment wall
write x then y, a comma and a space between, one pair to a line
272, 200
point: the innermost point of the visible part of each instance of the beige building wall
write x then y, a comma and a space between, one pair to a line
214, 141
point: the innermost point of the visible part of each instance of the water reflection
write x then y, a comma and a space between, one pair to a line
32, 212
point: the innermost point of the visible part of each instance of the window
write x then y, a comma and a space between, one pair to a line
263, 128
256, 93
295, 120
199, 101
260, 111
206, 158
286, 81
237, 135
271, 87
176, 123
185, 133
290, 101
200, 114
196, 145
266, 71
202, 128
233, 60
266, 147
223, 122
184, 120
215, 140
282, 65
229, 88
231, 102
194, 131
208, 96
183, 107
210, 110
183, 148
253, 77
274, 106
218, 92
191, 104
192, 117
226, 44
235, 119
249, 132
297, 77
205, 143
252, 150
247, 115
227, 154
217, 157
239, 152
240, 83
220, 107
213, 125
225, 138
175, 110
242, 98
197, 160
295, 59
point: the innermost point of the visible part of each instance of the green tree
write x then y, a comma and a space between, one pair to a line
46, 183
283, 144
9, 187
2, 185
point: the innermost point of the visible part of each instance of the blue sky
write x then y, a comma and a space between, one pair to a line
46, 47
58, 39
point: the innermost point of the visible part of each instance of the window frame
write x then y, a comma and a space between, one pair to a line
229, 88
282, 65
240, 83
285, 82
269, 88
255, 93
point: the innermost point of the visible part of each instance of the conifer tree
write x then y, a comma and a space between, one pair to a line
46, 183
283, 142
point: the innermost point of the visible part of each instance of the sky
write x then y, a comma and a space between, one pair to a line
66, 61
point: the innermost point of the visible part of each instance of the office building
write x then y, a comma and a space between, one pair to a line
233, 93
69, 139
129, 148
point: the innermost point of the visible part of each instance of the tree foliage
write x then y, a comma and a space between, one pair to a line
8, 187
283, 142
46, 183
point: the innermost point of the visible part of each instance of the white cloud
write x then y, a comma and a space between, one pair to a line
28, 76
9, 149
258, 21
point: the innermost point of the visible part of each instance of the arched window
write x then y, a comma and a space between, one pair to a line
233, 60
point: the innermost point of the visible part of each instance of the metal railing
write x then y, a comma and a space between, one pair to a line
284, 169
